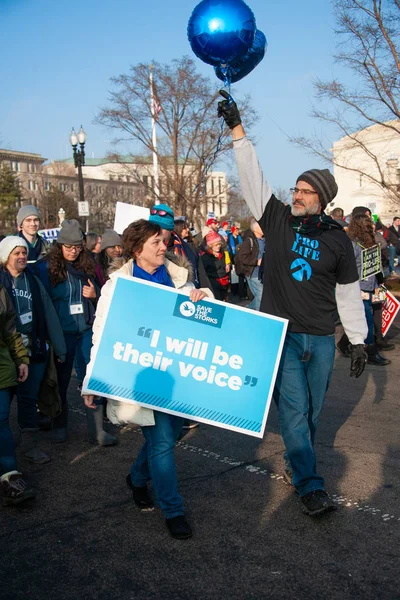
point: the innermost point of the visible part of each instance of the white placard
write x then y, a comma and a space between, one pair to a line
83, 208
125, 214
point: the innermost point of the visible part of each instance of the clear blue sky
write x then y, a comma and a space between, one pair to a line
58, 58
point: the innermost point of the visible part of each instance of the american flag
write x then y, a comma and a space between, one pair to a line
155, 107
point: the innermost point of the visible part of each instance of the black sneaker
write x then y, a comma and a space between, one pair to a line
141, 496
179, 528
317, 503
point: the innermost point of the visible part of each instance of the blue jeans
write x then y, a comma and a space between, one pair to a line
156, 461
77, 343
303, 379
256, 288
392, 256
27, 393
369, 315
8, 461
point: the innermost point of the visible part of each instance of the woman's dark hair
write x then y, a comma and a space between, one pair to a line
136, 234
57, 269
179, 226
91, 240
103, 260
361, 230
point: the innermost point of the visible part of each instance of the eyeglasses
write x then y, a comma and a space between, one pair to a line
305, 192
77, 248
156, 211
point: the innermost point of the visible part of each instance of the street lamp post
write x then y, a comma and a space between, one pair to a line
61, 216
79, 160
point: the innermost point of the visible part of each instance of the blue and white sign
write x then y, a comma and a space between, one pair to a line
49, 234
208, 361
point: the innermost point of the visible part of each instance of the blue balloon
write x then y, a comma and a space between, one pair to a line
221, 31
238, 69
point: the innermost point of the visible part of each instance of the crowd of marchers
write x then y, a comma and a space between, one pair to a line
294, 261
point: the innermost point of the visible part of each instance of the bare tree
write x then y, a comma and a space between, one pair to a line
189, 130
282, 194
50, 202
370, 50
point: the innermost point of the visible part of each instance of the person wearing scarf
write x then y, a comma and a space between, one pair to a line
14, 361
28, 221
310, 274
68, 273
37, 322
146, 244
216, 266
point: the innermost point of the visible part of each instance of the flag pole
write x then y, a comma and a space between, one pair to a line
154, 139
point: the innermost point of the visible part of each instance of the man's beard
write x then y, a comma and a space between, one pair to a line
301, 211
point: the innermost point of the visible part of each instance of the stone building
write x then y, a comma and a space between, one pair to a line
372, 153
107, 181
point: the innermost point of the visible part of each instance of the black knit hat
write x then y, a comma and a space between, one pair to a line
323, 183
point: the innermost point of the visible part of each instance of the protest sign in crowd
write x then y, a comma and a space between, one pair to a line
148, 319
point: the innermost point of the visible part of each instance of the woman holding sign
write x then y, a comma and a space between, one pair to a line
361, 233
144, 242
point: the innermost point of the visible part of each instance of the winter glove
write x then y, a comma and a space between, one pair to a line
228, 109
358, 360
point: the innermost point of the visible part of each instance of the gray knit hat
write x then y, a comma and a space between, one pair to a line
109, 239
323, 183
27, 211
71, 233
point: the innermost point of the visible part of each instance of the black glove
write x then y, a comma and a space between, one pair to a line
228, 109
358, 360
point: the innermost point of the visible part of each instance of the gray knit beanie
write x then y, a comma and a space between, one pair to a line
71, 233
109, 239
27, 211
323, 183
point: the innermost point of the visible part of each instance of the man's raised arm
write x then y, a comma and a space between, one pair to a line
256, 190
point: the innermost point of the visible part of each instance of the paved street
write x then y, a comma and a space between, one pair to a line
84, 538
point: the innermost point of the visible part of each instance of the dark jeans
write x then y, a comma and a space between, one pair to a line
156, 461
7, 447
27, 393
76, 343
377, 314
370, 321
392, 255
220, 291
303, 379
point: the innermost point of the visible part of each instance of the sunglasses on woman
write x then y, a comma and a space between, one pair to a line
156, 211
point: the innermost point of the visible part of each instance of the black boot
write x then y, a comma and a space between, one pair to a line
374, 358
384, 345
343, 346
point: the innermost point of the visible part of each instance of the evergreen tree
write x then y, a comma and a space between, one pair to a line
10, 199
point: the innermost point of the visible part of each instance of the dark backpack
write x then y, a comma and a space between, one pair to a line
237, 258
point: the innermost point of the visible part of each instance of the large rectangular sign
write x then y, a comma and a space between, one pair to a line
210, 361
390, 309
125, 214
